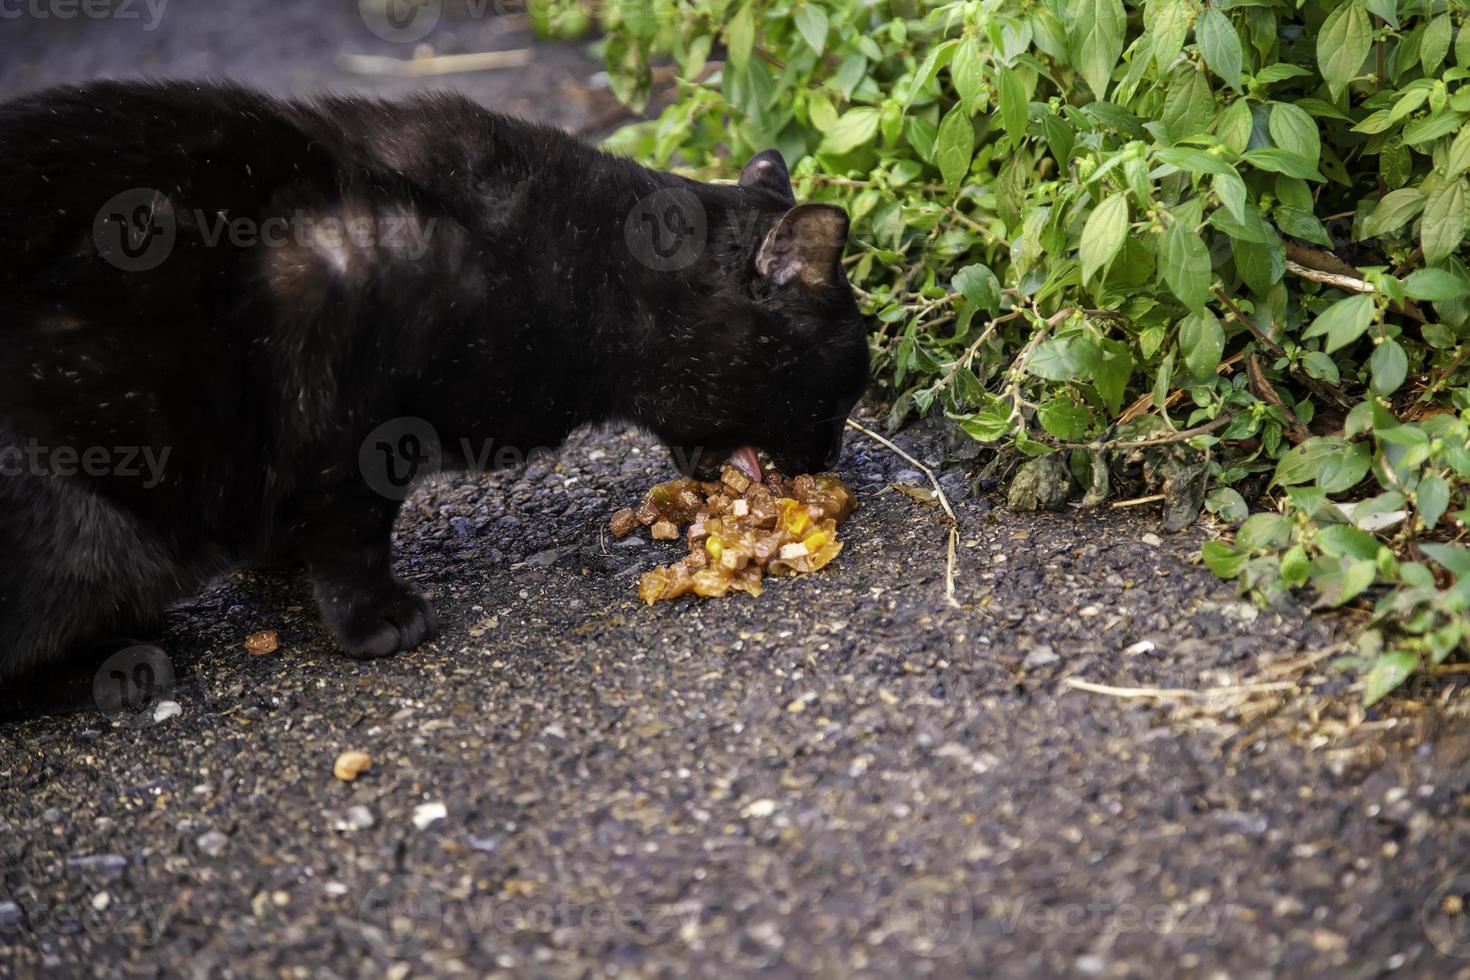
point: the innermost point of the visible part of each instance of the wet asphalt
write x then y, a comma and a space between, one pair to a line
848, 776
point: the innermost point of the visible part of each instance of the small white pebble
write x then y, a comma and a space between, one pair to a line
428, 813
759, 808
164, 710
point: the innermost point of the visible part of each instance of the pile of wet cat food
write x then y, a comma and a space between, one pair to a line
739, 530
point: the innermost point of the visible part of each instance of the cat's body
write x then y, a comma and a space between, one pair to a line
218, 309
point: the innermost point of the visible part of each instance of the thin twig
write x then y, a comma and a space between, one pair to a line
1296, 432
1179, 435
954, 522
975, 347
1322, 388
440, 64
1175, 692
1345, 283
1139, 501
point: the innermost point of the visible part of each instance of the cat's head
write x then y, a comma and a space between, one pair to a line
768, 350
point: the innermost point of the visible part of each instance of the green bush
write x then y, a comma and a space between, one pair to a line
1227, 233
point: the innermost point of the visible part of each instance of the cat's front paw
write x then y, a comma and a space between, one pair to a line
394, 623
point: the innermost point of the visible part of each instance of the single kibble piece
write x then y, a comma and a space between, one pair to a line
259, 644
351, 764
665, 531
623, 523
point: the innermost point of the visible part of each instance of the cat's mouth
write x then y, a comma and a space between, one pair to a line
748, 461
704, 465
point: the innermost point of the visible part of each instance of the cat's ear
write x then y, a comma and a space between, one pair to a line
805, 244
766, 171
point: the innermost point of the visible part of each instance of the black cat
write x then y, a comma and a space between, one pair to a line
234, 328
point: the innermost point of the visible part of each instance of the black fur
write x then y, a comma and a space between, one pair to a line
497, 294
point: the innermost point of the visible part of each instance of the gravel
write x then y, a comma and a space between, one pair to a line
844, 777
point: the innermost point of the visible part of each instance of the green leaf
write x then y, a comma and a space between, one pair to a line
1343, 322
1457, 161
1060, 358
1317, 459
1282, 161
1357, 576
1225, 560
1393, 211
1227, 504
1188, 105
1387, 9
1202, 340
1341, 471
1295, 566
1389, 365
1432, 497
1435, 285
854, 128
937, 58
967, 70
740, 36
979, 285
1234, 126
1263, 532
1111, 373
1443, 227
1389, 672
1295, 132
1454, 557
1096, 33
811, 21
1220, 45
989, 425
1167, 22
1432, 127
1343, 44
1230, 189
955, 146
1103, 234
1185, 261
1435, 43
1064, 418
1013, 105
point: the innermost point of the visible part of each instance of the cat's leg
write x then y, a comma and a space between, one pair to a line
347, 543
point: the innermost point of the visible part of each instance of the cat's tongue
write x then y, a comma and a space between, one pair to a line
745, 460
